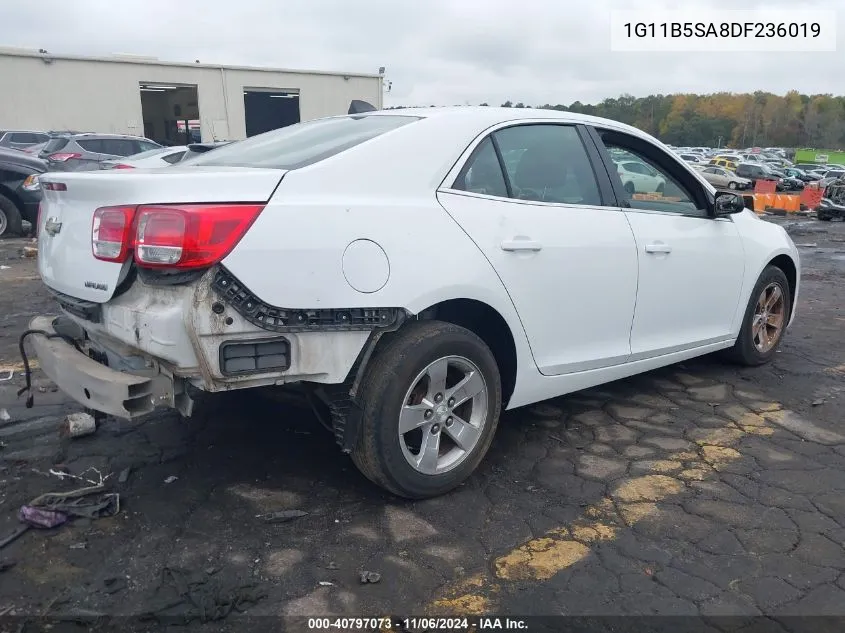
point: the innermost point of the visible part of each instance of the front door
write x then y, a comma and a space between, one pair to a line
531, 200
691, 265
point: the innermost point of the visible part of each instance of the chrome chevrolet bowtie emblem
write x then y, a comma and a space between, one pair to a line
52, 226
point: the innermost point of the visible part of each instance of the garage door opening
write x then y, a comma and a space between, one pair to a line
171, 113
267, 109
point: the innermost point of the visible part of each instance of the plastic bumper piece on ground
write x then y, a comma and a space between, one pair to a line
92, 384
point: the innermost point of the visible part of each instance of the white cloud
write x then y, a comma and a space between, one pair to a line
436, 52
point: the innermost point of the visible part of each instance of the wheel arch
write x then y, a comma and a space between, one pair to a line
790, 269
490, 326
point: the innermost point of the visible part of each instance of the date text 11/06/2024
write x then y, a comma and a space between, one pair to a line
429, 624
723, 29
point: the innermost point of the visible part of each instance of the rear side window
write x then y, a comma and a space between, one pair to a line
548, 163
56, 144
93, 145
24, 137
482, 173
118, 146
302, 144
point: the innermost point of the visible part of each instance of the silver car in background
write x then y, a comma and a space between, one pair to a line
85, 152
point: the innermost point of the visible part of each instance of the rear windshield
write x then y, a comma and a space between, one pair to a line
301, 144
55, 144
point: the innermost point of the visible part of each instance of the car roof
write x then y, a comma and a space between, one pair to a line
98, 135
487, 116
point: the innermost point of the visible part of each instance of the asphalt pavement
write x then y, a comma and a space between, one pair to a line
701, 489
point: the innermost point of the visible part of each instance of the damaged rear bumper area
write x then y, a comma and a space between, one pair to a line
58, 343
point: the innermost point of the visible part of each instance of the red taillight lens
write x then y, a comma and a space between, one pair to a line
61, 157
54, 186
111, 233
190, 236
122, 166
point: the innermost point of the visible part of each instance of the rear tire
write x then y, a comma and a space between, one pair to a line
10, 218
758, 343
629, 187
824, 217
732, 185
402, 380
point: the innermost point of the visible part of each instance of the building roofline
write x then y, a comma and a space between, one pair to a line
154, 61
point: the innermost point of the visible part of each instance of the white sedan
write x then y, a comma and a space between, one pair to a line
415, 271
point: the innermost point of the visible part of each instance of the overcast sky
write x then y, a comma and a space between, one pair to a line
435, 51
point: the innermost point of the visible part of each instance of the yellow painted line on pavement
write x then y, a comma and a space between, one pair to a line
18, 367
630, 502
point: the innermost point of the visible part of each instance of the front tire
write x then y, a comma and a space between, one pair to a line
732, 185
765, 319
431, 400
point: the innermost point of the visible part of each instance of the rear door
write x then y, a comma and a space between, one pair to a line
530, 197
691, 265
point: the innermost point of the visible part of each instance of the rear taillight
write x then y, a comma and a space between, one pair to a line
179, 237
122, 166
61, 157
54, 186
38, 219
190, 236
111, 233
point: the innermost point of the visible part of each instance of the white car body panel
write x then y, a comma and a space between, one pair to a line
570, 326
686, 297
598, 311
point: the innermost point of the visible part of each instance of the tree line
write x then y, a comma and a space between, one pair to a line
759, 119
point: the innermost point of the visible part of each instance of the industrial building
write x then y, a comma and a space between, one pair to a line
166, 101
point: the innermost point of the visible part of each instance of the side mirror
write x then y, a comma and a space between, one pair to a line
728, 204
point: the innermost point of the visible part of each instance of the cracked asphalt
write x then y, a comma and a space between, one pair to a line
699, 489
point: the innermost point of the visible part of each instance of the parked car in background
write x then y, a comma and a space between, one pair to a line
411, 373
831, 176
723, 162
755, 172
197, 149
828, 210
800, 174
785, 183
691, 158
83, 152
721, 177
637, 177
20, 191
21, 139
152, 158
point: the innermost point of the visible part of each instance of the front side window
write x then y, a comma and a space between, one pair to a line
548, 163
657, 182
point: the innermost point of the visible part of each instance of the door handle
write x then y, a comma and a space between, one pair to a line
658, 247
521, 245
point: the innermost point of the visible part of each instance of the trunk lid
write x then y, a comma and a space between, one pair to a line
65, 259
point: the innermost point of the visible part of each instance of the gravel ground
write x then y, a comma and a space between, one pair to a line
701, 489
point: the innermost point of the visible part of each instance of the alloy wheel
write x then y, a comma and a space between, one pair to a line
443, 415
769, 318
